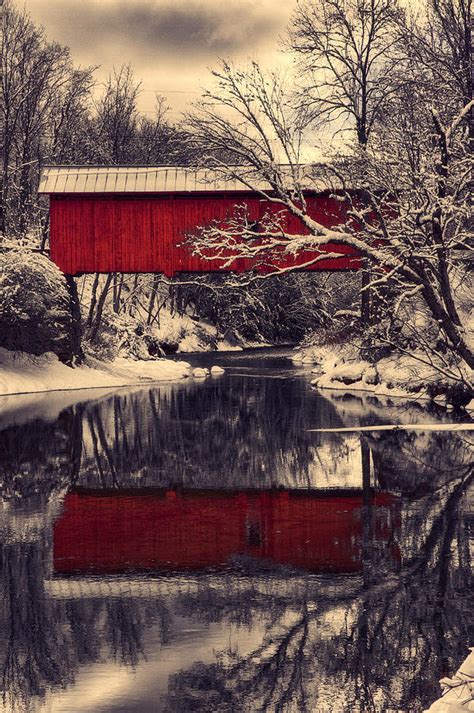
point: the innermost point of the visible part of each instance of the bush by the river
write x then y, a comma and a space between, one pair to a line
35, 314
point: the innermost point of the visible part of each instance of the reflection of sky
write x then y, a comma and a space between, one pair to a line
111, 687
337, 465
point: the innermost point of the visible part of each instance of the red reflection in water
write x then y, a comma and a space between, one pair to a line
111, 531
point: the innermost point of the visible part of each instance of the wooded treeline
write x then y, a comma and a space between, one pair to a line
394, 82
54, 112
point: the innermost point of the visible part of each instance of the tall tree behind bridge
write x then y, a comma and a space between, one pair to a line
117, 117
438, 39
42, 99
346, 59
121, 134
413, 182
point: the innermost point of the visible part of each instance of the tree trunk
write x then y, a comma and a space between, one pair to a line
118, 286
365, 294
77, 355
458, 344
100, 308
93, 303
44, 233
151, 304
25, 191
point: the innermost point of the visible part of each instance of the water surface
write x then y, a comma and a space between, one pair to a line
193, 547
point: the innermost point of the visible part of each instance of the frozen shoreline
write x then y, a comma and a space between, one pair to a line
22, 373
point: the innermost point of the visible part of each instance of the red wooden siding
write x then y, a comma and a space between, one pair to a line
123, 233
105, 533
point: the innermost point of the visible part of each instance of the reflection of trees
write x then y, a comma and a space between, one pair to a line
40, 457
271, 680
38, 462
34, 651
384, 643
418, 625
127, 621
385, 647
361, 644
232, 432
417, 462
44, 641
239, 432
247, 433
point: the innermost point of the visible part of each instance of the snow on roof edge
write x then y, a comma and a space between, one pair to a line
150, 179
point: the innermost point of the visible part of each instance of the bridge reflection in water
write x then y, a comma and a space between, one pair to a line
195, 548
112, 532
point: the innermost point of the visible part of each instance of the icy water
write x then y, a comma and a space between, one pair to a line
192, 547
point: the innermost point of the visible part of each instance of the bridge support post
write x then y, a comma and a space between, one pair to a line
367, 513
77, 355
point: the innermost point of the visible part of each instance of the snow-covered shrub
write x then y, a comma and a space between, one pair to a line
35, 314
338, 332
138, 342
183, 333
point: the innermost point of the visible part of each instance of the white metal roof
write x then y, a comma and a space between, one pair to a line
146, 179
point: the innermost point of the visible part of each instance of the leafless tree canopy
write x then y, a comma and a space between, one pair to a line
405, 174
347, 54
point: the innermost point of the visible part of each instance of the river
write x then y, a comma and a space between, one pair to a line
195, 546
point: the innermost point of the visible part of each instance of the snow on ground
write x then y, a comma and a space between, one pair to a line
190, 335
17, 409
382, 409
155, 370
22, 373
458, 691
338, 368
225, 346
451, 427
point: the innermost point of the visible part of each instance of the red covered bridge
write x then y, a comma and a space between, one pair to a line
135, 219
110, 532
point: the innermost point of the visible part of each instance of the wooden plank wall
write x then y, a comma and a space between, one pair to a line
123, 233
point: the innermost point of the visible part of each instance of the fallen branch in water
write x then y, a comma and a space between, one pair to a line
399, 427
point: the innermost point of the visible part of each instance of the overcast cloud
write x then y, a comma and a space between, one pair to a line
170, 44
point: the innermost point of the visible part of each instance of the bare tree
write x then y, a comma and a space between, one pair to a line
40, 96
117, 117
347, 66
406, 216
346, 59
437, 40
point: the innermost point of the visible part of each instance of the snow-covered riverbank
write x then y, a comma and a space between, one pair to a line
22, 373
458, 691
398, 376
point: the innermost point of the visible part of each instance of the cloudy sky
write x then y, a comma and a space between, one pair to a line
170, 43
